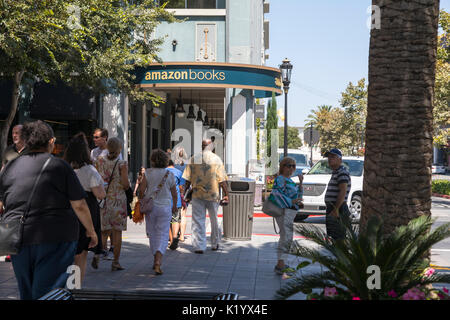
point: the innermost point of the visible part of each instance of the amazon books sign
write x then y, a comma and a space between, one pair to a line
264, 80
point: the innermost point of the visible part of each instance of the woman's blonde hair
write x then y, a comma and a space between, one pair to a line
114, 146
285, 161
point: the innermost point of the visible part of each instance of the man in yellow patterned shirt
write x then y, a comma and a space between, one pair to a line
206, 173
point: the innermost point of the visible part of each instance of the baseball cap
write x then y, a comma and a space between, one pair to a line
334, 151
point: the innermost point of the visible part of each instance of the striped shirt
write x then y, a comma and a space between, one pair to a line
340, 175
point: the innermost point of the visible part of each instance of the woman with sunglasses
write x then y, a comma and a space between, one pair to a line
287, 195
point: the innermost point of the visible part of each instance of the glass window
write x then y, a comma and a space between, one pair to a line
174, 3
355, 167
201, 4
300, 159
194, 4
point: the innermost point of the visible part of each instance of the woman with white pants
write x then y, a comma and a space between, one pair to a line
160, 184
288, 196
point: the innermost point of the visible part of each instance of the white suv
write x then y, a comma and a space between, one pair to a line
315, 184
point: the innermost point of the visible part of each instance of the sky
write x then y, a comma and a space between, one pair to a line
327, 41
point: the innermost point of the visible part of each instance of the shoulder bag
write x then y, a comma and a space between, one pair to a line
271, 209
11, 232
147, 202
102, 202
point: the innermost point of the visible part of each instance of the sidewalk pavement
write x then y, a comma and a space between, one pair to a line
242, 267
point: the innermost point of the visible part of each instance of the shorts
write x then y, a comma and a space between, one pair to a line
176, 217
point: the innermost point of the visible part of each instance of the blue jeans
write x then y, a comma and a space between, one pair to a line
41, 268
333, 225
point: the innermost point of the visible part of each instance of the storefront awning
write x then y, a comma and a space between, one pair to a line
264, 80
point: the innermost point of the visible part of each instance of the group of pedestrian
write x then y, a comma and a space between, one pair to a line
73, 205
63, 218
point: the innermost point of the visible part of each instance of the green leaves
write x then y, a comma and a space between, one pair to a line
342, 127
94, 39
401, 257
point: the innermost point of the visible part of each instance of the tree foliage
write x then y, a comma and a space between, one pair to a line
88, 43
441, 109
271, 123
342, 127
294, 141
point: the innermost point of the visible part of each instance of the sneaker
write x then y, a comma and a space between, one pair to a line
174, 244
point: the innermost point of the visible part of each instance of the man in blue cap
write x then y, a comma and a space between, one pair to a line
336, 194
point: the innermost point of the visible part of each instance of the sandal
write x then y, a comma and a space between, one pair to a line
115, 266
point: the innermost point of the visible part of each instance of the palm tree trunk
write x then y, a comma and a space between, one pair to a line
398, 156
12, 112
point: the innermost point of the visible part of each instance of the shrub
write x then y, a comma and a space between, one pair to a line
402, 258
441, 186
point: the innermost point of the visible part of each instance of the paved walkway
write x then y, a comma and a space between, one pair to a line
243, 267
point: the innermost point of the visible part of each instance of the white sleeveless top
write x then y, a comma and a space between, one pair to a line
154, 177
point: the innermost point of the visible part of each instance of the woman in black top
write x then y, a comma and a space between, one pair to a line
51, 228
78, 156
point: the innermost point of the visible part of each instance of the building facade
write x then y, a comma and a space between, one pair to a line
213, 69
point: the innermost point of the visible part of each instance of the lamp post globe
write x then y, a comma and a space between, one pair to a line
286, 71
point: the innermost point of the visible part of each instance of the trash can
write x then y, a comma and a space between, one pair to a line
238, 214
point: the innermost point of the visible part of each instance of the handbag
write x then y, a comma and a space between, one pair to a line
188, 194
102, 202
272, 209
138, 216
147, 202
11, 231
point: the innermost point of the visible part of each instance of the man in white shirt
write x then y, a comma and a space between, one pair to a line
100, 138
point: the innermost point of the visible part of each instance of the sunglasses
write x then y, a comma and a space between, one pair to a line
290, 165
97, 137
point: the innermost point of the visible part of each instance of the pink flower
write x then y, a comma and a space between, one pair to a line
285, 276
330, 292
445, 290
312, 299
429, 272
441, 296
392, 294
356, 298
414, 294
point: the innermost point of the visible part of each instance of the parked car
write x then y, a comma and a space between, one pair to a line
436, 168
301, 161
315, 184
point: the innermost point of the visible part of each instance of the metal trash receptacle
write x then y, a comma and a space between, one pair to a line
238, 214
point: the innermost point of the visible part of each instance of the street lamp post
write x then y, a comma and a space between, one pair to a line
286, 70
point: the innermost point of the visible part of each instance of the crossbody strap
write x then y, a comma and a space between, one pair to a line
159, 187
111, 177
28, 206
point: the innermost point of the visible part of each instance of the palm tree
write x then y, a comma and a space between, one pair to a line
399, 128
316, 116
